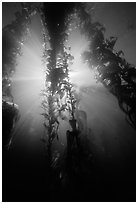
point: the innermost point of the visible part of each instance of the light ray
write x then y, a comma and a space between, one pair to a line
80, 73
28, 81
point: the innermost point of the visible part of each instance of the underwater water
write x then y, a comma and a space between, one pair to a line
109, 137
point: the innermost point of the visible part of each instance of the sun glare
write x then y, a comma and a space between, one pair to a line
28, 81
80, 74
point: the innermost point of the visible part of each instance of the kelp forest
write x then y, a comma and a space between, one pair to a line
68, 103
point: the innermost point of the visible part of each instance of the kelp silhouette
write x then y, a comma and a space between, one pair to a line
10, 115
118, 76
13, 37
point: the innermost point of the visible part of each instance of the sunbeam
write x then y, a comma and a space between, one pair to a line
68, 102
80, 73
28, 81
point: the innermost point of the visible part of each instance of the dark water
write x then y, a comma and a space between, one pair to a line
111, 177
